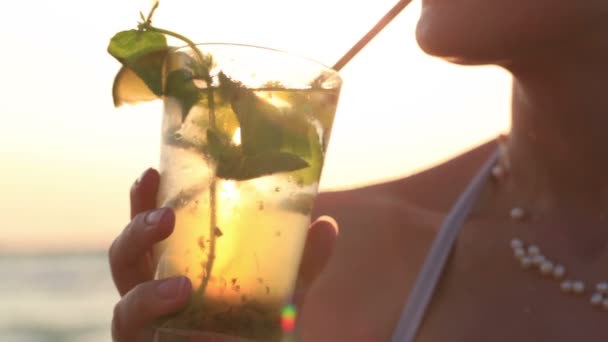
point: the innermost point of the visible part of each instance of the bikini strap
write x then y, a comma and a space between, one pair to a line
420, 297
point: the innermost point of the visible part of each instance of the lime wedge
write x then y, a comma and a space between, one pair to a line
129, 88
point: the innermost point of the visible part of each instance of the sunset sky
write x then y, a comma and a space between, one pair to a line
69, 157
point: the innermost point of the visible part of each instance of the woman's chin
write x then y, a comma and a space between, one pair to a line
475, 32
439, 45
455, 45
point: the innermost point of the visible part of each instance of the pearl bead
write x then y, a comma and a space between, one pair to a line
578, 287
546, 267
566, 286
531, 256
533, 250
498, 172
517, 213
559, 271
602, 288
538, 260
517, 243
526, 262
597, 299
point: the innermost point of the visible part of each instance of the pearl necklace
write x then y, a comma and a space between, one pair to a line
530, 257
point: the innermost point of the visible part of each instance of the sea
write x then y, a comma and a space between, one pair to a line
56, 297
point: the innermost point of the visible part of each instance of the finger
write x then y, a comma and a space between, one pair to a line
130, 253
143, 192
145, 303
319, 246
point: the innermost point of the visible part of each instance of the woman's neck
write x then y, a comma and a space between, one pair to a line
558, 145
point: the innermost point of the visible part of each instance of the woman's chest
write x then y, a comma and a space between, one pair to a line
507, 313
483, 295
471, 310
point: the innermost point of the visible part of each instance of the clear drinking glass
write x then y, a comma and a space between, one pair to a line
241, 157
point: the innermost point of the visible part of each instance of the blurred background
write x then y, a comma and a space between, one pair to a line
69, 157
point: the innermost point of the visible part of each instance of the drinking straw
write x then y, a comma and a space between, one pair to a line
388, 17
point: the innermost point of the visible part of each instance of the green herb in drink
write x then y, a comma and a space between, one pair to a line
143, 52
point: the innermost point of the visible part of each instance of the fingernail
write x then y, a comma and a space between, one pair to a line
171, 288
153, 217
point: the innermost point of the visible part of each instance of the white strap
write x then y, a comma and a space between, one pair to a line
420, 297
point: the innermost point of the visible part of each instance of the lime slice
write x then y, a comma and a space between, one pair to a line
140, 80
129, 88
142, 55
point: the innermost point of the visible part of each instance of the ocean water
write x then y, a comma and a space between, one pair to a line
56, 297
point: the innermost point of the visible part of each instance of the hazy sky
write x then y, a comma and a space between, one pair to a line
68, 157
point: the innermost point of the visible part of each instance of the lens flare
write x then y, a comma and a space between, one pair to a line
288, 318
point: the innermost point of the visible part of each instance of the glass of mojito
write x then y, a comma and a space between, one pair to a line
244, 135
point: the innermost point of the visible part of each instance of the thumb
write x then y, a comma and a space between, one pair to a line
320, 242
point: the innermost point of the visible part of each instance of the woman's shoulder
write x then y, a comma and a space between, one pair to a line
432, 191
385, 232
397, 220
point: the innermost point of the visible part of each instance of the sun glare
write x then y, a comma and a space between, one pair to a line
275, 101
229, 191
236, 138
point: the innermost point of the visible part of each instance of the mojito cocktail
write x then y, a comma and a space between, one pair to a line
244, 136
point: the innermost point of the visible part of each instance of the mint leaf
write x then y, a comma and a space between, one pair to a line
268, 138
233, 163
314, 158
180, 85
128, 46
244, 167
259, 134
221, 148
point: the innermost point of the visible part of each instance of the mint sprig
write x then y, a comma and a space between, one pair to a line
233, 163
144, 51
262, 138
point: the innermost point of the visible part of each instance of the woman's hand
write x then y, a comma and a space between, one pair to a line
143, 300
